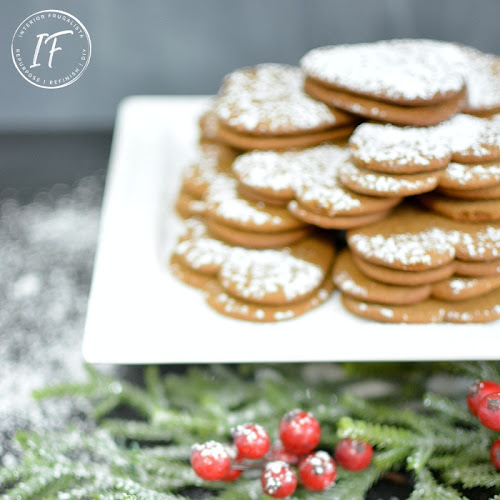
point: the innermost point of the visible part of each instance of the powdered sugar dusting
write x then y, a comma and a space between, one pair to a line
457, 174
405, 248
393, 69
398, 146
270, 99
222, 199
259, 273
385, 183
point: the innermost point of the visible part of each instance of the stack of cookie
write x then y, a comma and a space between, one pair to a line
417, 267
279, 172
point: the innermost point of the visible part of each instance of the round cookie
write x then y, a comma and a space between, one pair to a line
477, 269
291, 279
482, 77
409, 239
208, 126
404, 277
476, 310
225, 207
472, 139
335, 222
212, 160
265, 107
380, 184
412, 239
421, 116
462, 209
461, 288
399, 150
404, 72
186, 205
236, 308
489, 193
255, 239
458, 176
350, 281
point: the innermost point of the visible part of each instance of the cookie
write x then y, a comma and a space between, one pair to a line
408, 82
412, 239
351, 281
472, 139
213, 159
459, 288
399, 150
239, 281
337, 221
488, 193
265, 107
482, 77
308, 181
421, 116
392, 276
462, 209
381, 184
477, 269
458, 176
477, 310
407, 72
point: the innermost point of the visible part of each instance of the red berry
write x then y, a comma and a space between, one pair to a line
278, 479
477, 391
299, 432
233, 473
352, 454
317, 471
495, 454
251, 440
279, 452
488, 411
210, 460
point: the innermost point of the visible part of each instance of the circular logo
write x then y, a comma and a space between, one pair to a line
51, 49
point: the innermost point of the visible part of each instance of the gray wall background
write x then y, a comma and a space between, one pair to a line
186, 46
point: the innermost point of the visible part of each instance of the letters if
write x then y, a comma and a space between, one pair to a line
53, 49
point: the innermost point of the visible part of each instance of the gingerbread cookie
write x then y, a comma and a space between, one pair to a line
459, 288
399, 150
458, 176
265, 107
241, 222
213, 159
398, 81
471, 268
415, 240
475, 210
477, 310
373, 183
243, 281
472, 139
489, 193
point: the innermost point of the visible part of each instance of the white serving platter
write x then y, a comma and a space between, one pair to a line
139, 313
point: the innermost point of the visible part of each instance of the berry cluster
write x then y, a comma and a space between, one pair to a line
483, 400
299, 435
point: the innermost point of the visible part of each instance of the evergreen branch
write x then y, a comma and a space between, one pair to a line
377, 434
471, 476
134, 430
354, 485
449, 409
155, 386
390, 458
426, 488
419, 457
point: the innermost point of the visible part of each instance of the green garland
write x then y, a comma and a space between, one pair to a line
432, 439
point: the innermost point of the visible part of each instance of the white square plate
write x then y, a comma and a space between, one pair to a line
139, 313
